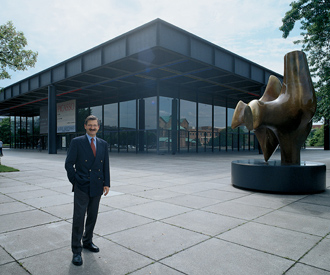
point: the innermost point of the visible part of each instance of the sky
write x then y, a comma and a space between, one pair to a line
60, 29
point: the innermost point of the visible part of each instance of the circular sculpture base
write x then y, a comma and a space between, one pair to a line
273, 177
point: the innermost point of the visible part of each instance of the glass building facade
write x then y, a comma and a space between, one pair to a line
161, 123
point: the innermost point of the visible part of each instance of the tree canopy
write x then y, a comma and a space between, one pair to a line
314, 17
12, 53
5, 130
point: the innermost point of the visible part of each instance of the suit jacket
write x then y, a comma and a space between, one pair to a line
89, 173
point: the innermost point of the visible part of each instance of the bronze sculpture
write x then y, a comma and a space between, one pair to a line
283, 115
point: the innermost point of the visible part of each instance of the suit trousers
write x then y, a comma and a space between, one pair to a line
83, 204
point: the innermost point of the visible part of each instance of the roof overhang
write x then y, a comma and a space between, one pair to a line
155, 56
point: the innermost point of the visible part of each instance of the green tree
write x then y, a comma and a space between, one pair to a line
314, 16
5, 130
317, 137
12, 53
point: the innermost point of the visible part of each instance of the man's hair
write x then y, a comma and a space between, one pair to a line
92, 117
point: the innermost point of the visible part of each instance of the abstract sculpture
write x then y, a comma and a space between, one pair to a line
283, 115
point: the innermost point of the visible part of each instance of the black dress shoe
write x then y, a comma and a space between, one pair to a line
91, 247
76, 259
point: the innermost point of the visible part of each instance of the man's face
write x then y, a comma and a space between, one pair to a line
92, 127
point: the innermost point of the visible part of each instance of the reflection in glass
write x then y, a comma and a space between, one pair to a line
204, 126
128, 115
165, 123
220, 128
82, 114
188, 138
29, 133
36, 131
232, 135
111, 124
151, 113
127, 122
12, 131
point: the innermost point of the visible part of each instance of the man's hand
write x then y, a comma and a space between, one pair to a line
105, 190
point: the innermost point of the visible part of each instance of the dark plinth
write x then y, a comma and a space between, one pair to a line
272, 177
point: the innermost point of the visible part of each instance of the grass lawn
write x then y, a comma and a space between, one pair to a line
4, 168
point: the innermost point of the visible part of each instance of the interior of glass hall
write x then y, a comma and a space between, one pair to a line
155, 89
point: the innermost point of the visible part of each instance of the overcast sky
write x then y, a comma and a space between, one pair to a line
60, 29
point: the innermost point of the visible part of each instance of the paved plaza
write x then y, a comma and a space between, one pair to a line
165, 214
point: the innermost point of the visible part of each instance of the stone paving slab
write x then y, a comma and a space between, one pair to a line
157, 268
13, 268
117, 220
24, 219
165, 214
204, 222
113, 259
296, 222
191, 201
14, 207
32, 194
4, 199
319, 256
268, 201
238, 210
5, 257
123, 201
157, 194
157, 240
35, 240
157, 210
13, 188
309, 209
301, 269
215, 256
277, 241
63, 211
46, 201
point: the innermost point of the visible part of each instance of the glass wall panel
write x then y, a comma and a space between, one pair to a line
204, 127
151, 123
127, 122
36, 130
29, 133
232, 135
219, 128
151, 113
18, 131
13, 132
188, 137
243, 138
81, 116
165, 123
23, 132
97, 111
128, 115
111, 125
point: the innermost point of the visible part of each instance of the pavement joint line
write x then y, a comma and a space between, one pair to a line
158, 263
316, 244
287, 258
319, 268
14, 260
28, 227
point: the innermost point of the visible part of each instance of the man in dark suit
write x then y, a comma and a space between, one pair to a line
87, 166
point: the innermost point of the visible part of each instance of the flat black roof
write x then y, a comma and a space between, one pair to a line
157, 55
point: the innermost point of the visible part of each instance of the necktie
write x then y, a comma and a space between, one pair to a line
93, 147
